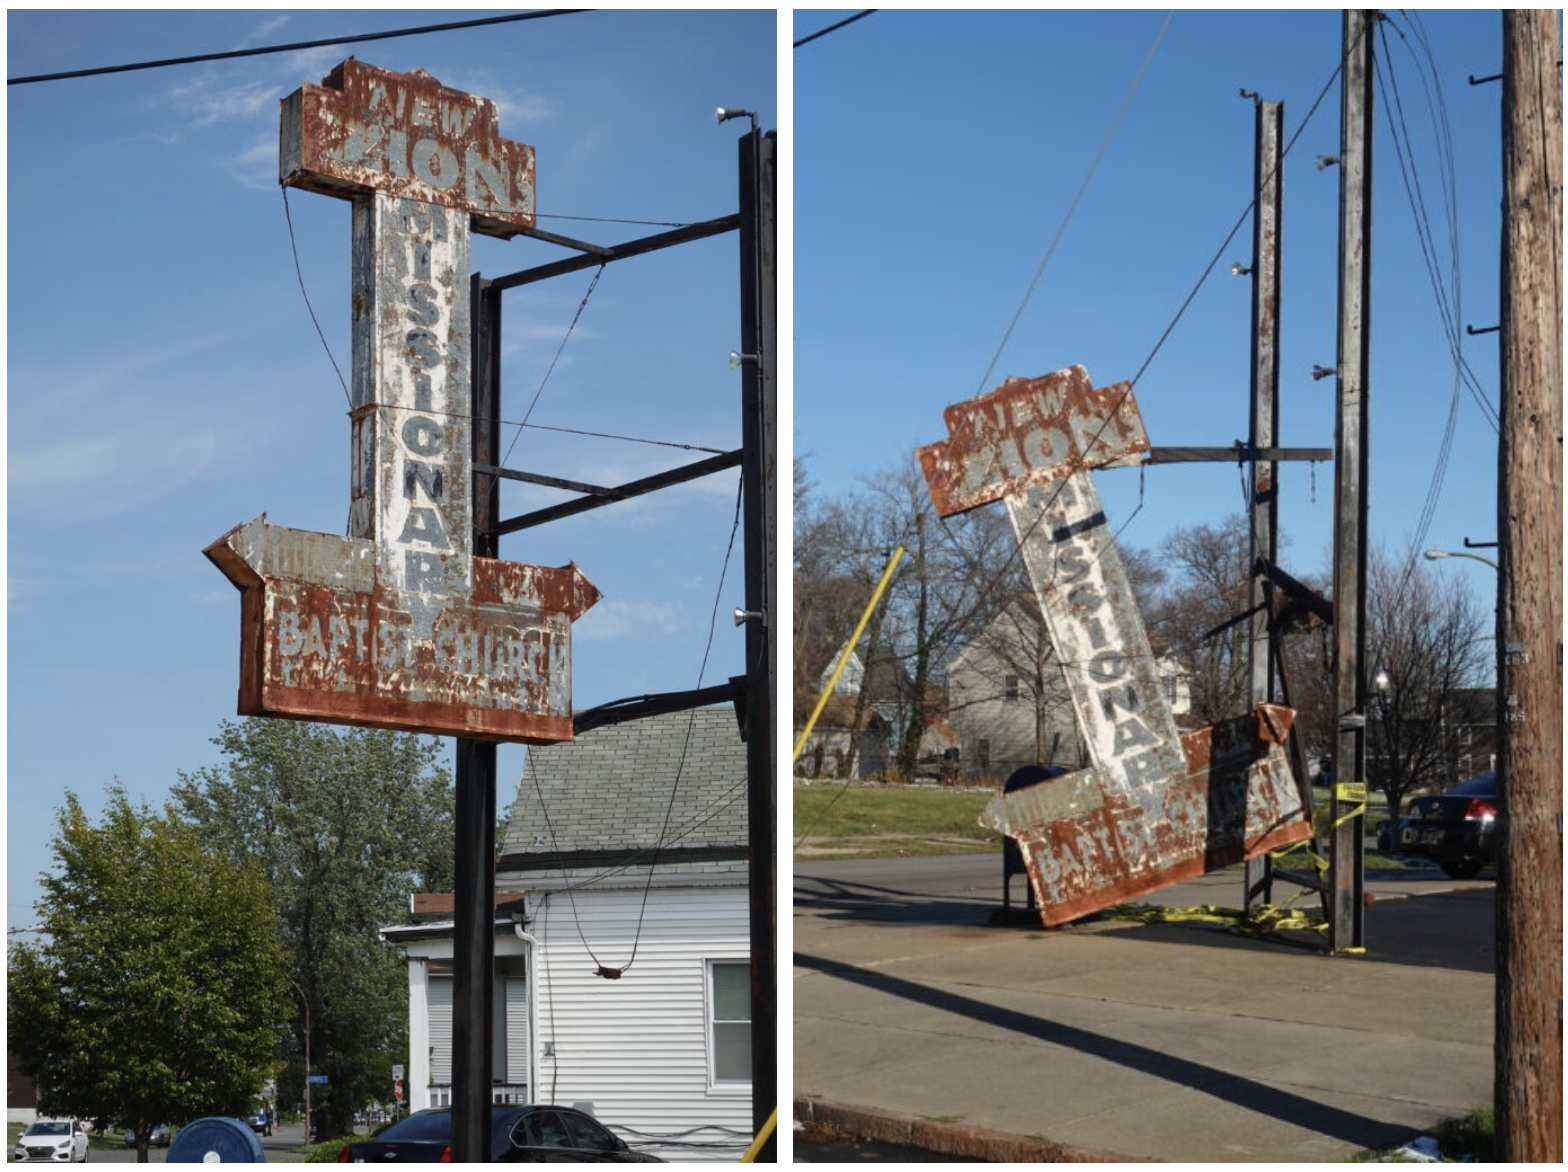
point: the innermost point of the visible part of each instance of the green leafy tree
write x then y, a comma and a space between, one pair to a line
343, 825
157, 989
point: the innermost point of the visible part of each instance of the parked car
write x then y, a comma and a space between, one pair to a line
517, 1135
1456, 830
260, 1122
158, 1139
55, 1140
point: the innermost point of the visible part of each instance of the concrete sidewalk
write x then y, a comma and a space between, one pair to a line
1166, 1042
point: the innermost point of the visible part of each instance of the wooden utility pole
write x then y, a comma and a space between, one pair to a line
1264, 429
1350, 482
1529, 1086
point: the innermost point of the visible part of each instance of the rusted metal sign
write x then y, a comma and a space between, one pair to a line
1155, 806
366, 129
398, 625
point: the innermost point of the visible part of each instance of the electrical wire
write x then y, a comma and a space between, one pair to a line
1400, 133
576, 317
298, 272
1083, 187
832, 28
663, 841
691, 721
1175, 320
714, 808
258, 52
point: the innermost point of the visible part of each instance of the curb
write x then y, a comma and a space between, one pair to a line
948, 1139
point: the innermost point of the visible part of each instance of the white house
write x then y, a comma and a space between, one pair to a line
1009, 704
625, 851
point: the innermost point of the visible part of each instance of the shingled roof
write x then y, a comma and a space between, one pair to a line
606, 792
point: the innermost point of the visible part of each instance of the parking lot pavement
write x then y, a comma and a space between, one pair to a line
1168, 1041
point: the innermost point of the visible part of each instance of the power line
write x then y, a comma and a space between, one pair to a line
833, 28
348, 40
294, 248
1083, 187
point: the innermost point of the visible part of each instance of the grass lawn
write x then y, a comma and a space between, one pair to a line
885, 821
892, 820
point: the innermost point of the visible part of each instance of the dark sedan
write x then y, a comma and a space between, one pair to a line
532, 1134
1456, 830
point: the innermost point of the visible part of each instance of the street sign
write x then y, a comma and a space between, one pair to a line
1154, 806
317, 1078
398, 625
397, 1073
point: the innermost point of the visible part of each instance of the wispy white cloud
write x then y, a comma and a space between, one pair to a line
107, 468
206, 100
518, 110
264, 30
257, 165
629, 619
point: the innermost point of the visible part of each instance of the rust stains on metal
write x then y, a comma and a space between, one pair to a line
398, 625
323, 638
1088, 843
1154, 806
406, 134
1031, 432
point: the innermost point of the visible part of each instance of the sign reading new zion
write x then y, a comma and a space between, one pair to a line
398, 625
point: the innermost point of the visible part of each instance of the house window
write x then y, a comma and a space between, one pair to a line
729, 1022
1010, 687
983, 752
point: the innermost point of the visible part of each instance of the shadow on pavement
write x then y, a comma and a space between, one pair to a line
845, 899
1297, 1110
1448, 929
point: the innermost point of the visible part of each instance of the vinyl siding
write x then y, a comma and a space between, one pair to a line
440, 994
637, 1047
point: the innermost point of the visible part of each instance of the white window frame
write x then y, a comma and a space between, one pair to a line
717, 1086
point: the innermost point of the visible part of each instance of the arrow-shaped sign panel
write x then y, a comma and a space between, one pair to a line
323, 639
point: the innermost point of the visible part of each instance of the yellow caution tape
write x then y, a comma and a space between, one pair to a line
762, 1137
1261, 920
1351, 791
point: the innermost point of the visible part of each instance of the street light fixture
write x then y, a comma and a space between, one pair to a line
1432, 555
305, 1001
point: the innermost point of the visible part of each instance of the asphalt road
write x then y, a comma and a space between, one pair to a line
281, 1147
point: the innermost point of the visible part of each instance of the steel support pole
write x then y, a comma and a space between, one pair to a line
473, 946
1264, 429
758, 261
1346, 918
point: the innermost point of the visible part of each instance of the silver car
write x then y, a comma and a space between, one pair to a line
158, 1139
62, 1141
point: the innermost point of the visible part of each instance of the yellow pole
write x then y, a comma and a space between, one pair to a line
762, 1137
843, 659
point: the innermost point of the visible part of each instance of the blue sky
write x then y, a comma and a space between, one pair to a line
166, 382
938, 153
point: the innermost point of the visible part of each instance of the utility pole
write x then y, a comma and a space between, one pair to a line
1346, 918
1529, 1082
1264, 430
